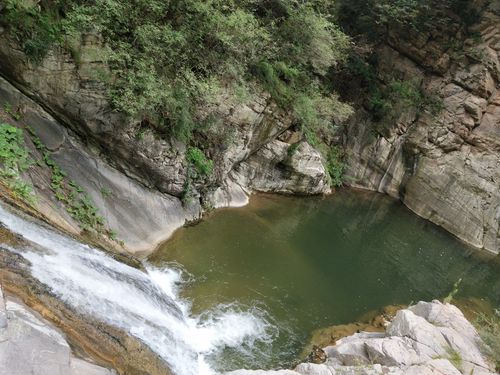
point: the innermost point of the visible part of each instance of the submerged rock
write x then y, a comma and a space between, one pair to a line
428, 338
373, 321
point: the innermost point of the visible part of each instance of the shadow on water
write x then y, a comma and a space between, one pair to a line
315, 262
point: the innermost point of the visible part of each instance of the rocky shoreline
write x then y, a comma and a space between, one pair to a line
429, 338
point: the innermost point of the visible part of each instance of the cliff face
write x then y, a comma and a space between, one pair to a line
444, 166
141, 181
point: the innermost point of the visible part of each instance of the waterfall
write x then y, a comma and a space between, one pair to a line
147, 304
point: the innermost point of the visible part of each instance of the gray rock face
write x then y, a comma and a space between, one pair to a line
428, 338
76, 96
275, 167
444, 167
29, 345
141, 217
146, 174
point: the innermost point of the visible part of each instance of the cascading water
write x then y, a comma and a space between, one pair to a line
145, 304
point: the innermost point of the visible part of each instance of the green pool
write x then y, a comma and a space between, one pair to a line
307, 263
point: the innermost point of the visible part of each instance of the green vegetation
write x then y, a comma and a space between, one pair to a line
394, 98
455, 358
335, 167
14, 159
106, 193
77, 203
370, 17
169, 58
187, 190
36, 31
386, 101
489, 330
454, 291
197, 158
199, 167
7, 107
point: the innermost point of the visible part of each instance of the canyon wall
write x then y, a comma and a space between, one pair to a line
138, 179
444, 164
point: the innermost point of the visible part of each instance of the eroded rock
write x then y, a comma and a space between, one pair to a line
428, 338
30, 345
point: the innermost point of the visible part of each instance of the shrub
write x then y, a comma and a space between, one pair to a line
197, 158
13, 154
37, 31
15, 159
335, 167
169, 58
387, 103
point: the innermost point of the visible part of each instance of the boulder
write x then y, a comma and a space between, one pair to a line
283, 168
430, 338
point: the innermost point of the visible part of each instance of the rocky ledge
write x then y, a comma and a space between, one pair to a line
427, 338
30, 345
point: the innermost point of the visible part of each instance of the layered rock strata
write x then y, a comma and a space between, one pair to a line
445, 167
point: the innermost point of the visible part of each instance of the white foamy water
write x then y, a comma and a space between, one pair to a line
145, 304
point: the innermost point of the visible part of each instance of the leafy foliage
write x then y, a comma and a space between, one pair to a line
387, 100
169, 58
14, 160
37, 31
13, 155
370, 17
197, 158
335, 167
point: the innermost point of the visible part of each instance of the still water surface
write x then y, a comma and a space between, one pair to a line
307, 263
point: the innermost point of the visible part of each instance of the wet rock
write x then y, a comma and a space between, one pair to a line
445, 165
373, 321
104, 344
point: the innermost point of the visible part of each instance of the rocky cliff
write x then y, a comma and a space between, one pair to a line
147, 176
441, 159
444, 164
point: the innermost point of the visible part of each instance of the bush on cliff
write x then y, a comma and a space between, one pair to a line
170, 58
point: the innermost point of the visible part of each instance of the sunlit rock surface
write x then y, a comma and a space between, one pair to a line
29, 345
428, 338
